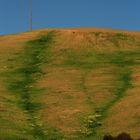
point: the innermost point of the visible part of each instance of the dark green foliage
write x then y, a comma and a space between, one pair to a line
122, 136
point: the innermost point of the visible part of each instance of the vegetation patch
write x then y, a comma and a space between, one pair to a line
86, 78
123, 62
23, 80
119, 37
91, 123
122, 136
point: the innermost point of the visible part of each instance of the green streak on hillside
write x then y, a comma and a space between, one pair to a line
23, 81
123, 61
123, 86
124, 83
124, 78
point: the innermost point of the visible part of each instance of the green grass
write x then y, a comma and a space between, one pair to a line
23, 80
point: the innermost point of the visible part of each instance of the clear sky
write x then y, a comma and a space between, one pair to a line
116, 14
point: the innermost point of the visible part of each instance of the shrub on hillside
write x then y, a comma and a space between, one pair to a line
122, 136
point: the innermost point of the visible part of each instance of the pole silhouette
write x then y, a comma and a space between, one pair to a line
31, 15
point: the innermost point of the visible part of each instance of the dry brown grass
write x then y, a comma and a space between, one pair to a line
100, 84
63, 100
73, 92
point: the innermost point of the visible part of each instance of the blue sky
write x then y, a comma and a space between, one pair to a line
116, 14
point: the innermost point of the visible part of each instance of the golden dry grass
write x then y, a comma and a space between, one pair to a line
78, 80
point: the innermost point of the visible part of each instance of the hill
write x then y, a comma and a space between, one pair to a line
72, 84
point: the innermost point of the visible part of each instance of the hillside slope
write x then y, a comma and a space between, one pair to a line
72, 84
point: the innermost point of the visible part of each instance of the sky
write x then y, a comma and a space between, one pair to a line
116, 14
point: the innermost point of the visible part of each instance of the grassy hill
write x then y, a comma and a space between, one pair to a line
69, 84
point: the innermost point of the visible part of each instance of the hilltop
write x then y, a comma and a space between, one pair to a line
72, 84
